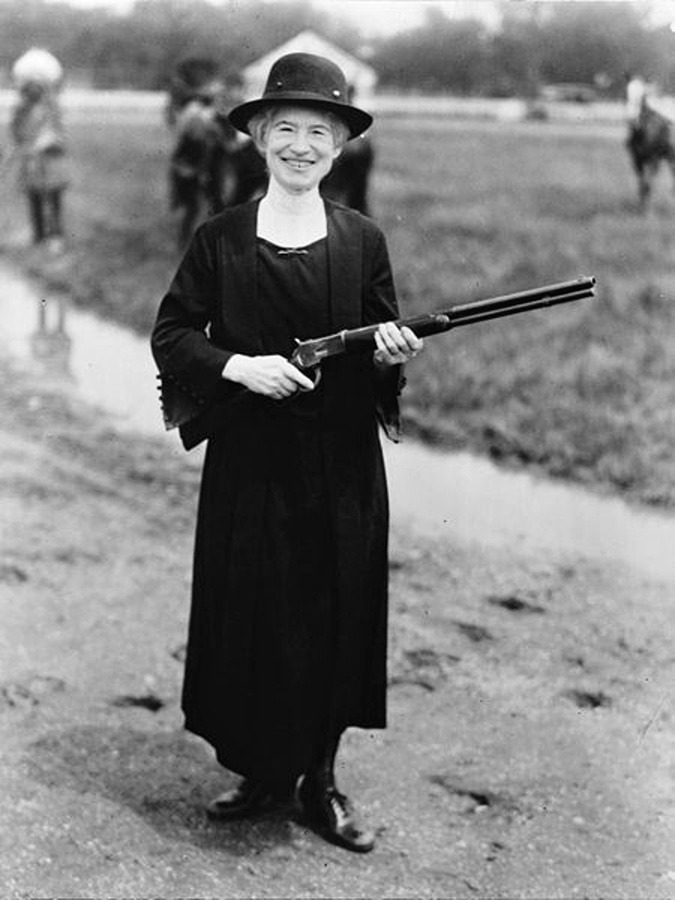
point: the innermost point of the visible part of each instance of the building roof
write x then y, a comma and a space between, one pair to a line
359, 74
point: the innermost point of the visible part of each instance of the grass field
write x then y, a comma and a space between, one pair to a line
585, 391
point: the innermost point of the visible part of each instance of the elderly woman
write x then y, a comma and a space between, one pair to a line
288, 626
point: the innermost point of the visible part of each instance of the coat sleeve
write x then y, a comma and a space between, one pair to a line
380, 305
180, 343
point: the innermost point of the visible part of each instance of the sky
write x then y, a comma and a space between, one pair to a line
374, 17
385, 17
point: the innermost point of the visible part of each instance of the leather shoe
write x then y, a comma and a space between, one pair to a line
334, 817
247, 799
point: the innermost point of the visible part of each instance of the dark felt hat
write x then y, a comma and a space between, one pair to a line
306, 80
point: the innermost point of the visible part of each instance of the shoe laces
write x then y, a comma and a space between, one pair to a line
340, 805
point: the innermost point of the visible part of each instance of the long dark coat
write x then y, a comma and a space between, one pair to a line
288, 625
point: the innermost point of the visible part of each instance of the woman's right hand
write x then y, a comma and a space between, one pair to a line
271, 376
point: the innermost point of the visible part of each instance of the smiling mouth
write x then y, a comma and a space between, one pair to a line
299, 164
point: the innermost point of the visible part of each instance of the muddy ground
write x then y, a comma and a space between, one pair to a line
529, 750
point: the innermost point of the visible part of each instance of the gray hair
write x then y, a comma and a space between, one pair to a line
258, 125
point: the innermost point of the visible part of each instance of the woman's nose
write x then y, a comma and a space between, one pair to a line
300, 142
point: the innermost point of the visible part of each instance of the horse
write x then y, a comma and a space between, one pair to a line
649, 144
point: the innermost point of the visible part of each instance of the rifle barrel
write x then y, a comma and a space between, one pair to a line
462, 317
480, 311
559, 289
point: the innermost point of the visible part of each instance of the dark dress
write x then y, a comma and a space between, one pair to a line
288, 626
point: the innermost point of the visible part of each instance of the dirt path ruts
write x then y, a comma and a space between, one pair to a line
530, 718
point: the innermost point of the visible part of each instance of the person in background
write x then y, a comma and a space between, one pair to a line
196, 159
192, 75
39, 144
288, 625
638, 92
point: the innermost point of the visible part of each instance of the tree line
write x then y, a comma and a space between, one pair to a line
591, 43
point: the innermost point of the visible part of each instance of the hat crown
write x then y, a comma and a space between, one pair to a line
307, 80
305, 73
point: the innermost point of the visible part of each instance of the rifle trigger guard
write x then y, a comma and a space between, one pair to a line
314, 375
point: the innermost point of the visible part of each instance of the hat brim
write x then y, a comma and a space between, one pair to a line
356, 120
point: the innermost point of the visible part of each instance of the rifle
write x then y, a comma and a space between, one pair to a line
180, 406
309, 354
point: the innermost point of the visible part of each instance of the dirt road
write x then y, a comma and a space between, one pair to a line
530, 707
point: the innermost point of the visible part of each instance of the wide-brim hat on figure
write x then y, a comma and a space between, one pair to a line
304, 79
37, 65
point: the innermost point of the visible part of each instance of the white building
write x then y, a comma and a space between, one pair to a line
359, 75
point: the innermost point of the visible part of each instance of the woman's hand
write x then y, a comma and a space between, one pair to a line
271, 376
395, 345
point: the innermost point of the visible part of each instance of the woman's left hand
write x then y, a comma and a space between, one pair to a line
395, 345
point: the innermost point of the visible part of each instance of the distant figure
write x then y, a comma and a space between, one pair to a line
196, 161
39, 141
203, 175
649, 140
638, 91
194, 79
347, 182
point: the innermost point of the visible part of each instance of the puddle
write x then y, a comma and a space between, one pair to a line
110, 367
460, 494
439, 494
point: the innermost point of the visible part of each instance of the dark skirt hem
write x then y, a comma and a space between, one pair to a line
238, 766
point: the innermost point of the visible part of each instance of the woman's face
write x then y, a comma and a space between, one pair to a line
299, 148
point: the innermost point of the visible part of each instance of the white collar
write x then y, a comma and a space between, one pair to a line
291, 220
